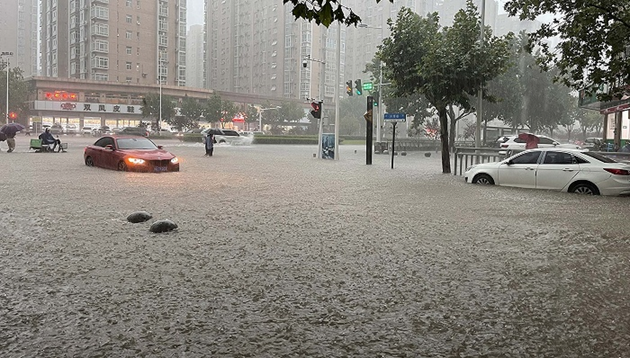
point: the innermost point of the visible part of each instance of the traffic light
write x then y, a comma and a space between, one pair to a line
349, 88
359, 87
317, 109
12, 115
376, 95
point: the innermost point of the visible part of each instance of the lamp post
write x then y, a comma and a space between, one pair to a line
6, 53
337, 75
321, 96
260, 110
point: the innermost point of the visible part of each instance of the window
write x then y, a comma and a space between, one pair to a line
128, 49
128, 65
558, 158
545, 140
128, 19
527, 158
128, 3
128, 35
100, 62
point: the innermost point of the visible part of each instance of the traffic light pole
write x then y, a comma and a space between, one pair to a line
369, 124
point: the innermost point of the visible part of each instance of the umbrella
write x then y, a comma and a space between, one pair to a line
11, 128
531, 140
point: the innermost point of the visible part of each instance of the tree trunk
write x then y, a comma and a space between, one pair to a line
446, 157
452, 125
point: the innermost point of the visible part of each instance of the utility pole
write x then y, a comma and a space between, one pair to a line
6, 53
480, 99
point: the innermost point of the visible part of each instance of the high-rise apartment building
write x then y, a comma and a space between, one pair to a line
19, 34
194, 57
257, 47
364, 39
132, 41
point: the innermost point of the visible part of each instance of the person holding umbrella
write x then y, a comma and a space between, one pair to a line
10, 129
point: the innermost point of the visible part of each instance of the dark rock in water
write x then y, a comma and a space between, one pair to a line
139, 216
163, 226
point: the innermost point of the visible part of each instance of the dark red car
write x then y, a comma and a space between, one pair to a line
129, 153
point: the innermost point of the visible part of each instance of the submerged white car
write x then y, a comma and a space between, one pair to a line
561, 169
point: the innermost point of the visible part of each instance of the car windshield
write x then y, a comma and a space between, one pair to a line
599, 157
135, 143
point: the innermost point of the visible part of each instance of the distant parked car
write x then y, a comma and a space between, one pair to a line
227, 136
516, 143
594, 144
86, 130
134, 131
71, 129
56, 129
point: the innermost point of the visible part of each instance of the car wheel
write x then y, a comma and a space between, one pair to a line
89, 161
584, 188
122, 167
483, 179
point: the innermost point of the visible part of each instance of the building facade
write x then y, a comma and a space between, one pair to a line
257, 46
195, 49
19, 34
123, 41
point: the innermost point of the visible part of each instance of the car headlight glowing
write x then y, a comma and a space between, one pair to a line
174, 160
135, 161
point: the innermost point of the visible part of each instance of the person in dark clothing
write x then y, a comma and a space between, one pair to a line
209, 144
47, 138
10, 138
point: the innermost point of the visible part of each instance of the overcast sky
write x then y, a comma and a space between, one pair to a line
195, 12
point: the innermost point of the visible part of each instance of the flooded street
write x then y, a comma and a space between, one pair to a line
279, 254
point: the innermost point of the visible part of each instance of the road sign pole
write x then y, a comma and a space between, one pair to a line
393, 141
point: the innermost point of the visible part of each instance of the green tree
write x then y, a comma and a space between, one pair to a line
589, 121
351, 121
212, 110
191, 110
18, 92
250, 115
151, 108
290, 112
593, 41
228, 110
446, 65
324, 12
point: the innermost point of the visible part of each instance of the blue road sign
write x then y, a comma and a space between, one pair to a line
395, 117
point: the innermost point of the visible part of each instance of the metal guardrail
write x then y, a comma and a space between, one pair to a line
465, 156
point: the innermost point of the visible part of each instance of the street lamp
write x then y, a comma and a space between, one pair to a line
321, 96
260, 110
7, 53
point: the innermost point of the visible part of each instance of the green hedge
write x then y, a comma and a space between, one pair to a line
262, 139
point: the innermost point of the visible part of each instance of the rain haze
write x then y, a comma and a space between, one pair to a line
278, 252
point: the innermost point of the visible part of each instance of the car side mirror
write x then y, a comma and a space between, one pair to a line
109, 146
160, 147
509, 162
556, 144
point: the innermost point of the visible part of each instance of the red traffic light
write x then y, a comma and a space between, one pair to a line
317, 109
12, 115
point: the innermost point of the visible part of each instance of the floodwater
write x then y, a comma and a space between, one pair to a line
279, 254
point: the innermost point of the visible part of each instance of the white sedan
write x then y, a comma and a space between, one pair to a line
568, 170
515, 143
